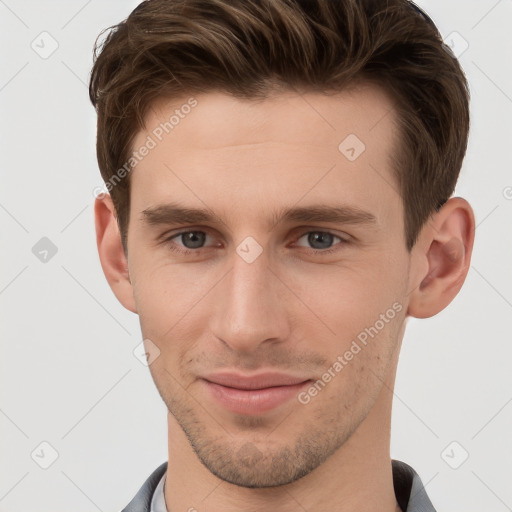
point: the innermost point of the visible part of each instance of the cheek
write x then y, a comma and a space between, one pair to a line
166, 296
359, 317
344, 300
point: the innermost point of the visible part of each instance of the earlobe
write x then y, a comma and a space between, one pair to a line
112, 257
447, 240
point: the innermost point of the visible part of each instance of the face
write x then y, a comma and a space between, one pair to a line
298, 260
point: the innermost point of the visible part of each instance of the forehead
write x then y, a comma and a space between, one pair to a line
219, 119
281, 148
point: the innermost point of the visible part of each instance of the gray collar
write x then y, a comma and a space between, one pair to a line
409, 491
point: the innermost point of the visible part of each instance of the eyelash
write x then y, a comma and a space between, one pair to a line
168, 241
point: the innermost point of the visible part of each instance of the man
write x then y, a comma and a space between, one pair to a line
280, 176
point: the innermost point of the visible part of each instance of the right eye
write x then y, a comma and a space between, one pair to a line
191, 241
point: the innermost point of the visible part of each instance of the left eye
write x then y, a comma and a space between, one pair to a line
323, 240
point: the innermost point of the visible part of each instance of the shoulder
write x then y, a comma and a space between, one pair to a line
141, 502
409, 490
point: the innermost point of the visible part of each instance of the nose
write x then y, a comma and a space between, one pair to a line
250, 306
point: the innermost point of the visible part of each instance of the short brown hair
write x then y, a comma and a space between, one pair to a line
170, 48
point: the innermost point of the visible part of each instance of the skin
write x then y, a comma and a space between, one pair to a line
289, 310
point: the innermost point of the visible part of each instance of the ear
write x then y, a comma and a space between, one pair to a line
441, 258
112, 257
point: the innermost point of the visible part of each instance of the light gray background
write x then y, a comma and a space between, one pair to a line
68, 374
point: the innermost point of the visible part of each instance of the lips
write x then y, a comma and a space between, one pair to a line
261, 381
252, 395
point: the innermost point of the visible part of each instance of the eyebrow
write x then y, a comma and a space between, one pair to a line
174, 213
